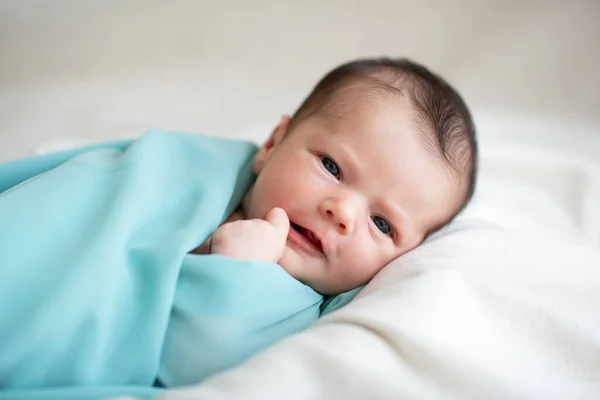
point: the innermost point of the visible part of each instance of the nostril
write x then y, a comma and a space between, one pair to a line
329, 213
342, 227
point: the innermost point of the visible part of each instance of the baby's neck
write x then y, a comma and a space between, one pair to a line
236, 216
245, 204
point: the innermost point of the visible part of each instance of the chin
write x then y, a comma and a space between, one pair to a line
290, 262
296, 266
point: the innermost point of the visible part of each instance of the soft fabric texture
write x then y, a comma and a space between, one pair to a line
503, 304
97, 289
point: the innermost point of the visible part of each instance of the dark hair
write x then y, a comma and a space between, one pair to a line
441, 110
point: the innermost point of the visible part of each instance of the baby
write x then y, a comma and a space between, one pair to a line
172, 257
381, 154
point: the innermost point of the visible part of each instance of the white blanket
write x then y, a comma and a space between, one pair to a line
505, 303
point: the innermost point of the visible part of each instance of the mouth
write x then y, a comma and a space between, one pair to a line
305, 237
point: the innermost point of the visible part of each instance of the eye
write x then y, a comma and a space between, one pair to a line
331, 167
382, 225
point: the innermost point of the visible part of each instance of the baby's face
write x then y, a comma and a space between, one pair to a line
359, 190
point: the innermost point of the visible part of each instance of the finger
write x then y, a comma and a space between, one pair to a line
279, 219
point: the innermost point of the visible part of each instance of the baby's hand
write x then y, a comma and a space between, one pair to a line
253, 239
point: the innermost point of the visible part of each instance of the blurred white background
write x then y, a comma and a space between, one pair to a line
101, 69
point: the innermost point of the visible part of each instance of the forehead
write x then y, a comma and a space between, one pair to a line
383, 138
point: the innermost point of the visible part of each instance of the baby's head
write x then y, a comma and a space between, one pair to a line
380, 155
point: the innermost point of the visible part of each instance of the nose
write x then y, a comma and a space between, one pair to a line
341, 213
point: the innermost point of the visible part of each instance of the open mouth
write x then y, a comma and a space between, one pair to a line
309, 237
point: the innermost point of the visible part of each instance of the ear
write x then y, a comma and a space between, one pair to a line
272, 142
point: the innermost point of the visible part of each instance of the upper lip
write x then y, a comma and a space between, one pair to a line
308, 232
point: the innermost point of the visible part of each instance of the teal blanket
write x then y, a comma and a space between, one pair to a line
99, 295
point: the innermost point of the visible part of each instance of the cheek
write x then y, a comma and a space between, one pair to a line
361, 259
285, 185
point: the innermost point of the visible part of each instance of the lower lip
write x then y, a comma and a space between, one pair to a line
299, 240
